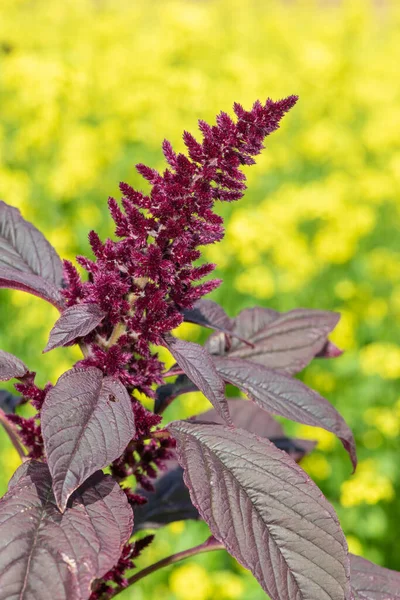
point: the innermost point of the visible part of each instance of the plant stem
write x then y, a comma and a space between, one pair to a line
13, 435
208, 546
118, 330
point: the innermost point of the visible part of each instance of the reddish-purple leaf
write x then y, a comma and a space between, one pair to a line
208, 314
248, 321
87, 422
33, 284
169, 502
166, 393
371, 582
47, 555
285, 343
75, 321
296, 448
266, 511
283, 395
25, 249
247, 415
11, 366
198, 365
329, 350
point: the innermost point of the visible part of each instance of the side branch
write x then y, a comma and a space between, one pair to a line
208, 546
13, 435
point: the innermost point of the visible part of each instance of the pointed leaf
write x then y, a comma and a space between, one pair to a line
9, 402
26, 282
166, 393
169, 502
329, 350
75, 321
250, 321
243, 327
23, 248
208, 314
287, 343
87, 422
198, 365
11, 366
282, 395
266, 511
296, 448
371, 582
247, 415
47, 555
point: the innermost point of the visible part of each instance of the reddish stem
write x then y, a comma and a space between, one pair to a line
13, 435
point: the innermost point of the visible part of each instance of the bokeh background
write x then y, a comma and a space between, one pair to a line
90, 87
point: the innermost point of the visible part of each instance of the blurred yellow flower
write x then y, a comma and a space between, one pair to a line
381, 358
367, 485
190, 582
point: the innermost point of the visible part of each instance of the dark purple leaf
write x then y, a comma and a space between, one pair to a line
47, 555
371, 582
251, 321
287, 343
23, 248
198, 365
9, 402
87, 421
248, 321
26, 282
11, 367
266, 511
247, 415
297, 449
75, 321
165, 394
283, 395
208, 314
169, 502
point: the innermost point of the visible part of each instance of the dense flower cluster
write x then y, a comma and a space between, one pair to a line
144, 280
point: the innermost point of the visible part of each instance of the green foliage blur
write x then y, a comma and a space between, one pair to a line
88, 88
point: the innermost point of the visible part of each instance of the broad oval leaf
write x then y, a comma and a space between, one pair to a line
75, 321
26, 282
169, 502
283, 395
371, 582
198, 365
11, 366
87, 422
266, 510
23, 248
287, 343
247, 415
47, 555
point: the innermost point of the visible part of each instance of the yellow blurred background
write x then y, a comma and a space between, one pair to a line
88, 88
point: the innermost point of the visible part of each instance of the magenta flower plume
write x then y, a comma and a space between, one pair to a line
144, 280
